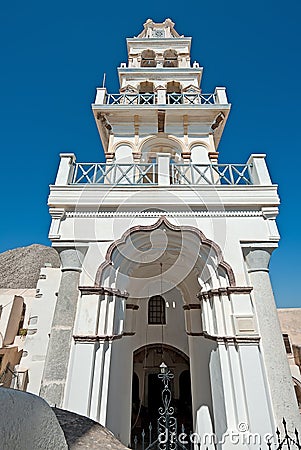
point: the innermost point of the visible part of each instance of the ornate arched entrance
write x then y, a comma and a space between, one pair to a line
175, 263
206, 333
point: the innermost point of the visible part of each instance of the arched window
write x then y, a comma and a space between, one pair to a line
173, 90
148, 58
156, 310
147, 89
170, 58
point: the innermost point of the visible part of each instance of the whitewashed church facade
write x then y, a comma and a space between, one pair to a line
165, 256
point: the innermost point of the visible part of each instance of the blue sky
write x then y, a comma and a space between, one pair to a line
54, 54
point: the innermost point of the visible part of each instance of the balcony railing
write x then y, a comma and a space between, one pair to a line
152, 99
148, 174
97, 173
131, 99
190, 99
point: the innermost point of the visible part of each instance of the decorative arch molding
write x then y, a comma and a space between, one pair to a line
121, 143
157, 141
165, 346
222, 264
199, 143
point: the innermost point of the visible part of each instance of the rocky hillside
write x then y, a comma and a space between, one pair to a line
20, 267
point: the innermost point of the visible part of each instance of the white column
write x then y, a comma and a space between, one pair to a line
163, 169
80, 379
100, 96
57, 215
260, 417
161, 95
58, 353
220, 96
66, 168
259, 171
96, 391
279, 377
200, 351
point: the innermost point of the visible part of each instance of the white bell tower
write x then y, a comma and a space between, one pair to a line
161, 89
165, 256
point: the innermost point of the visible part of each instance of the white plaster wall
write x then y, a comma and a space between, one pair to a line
40, 320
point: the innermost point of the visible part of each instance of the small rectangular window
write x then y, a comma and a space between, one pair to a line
287, 344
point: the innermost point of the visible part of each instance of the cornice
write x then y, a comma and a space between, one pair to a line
86, 339
225, 291
228, 340
150, 214
99, 290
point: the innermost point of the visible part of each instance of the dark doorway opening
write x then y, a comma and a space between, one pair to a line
147, 388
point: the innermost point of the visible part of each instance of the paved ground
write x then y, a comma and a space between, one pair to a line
83, 433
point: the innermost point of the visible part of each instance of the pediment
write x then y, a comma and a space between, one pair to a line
191, 89
129, 89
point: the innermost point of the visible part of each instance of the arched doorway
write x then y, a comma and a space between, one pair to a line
147, 387
172, 262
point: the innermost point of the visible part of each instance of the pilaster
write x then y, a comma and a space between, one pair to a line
57, 358
284, 402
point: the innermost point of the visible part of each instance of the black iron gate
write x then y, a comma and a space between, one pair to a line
284, 440
165, 436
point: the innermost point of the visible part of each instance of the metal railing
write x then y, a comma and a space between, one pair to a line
231, 174
190, 99
97, 173
146, 174
131, 99
152, 99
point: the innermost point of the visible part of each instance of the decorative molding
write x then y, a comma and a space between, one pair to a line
100, 290
136, 155
150, 214
213, 155
270, 213
163, 221
131, 306
225, 291
186, 155
234, 340
190, 333
191, 306
57, 213
85, 339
